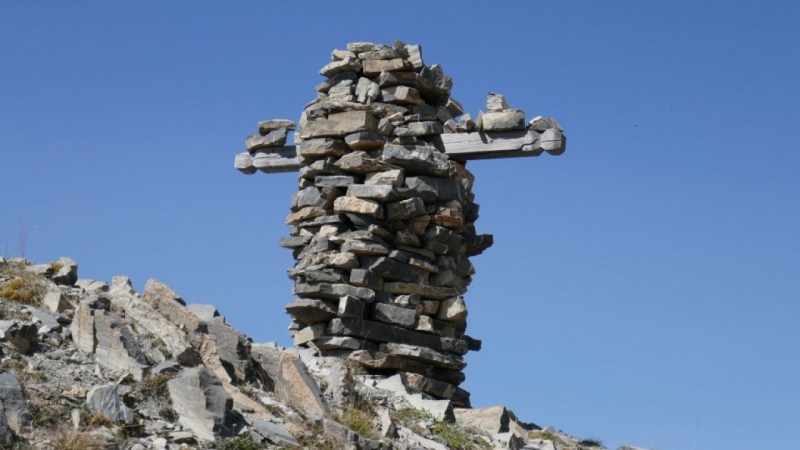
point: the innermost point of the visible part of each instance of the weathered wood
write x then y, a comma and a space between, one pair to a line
458, 146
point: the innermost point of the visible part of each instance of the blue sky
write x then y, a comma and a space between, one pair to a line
643, 287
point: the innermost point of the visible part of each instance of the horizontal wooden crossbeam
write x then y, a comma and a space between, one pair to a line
458, 146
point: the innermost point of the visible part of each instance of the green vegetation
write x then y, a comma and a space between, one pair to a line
409, 414
456, 437
545, 435
155, 386
359, 421
358, 415
241, 442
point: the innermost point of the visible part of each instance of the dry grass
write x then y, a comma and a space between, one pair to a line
77, 440
23, 290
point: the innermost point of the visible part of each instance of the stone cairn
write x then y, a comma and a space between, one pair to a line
382, 226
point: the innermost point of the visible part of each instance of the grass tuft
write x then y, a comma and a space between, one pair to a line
22, 290
241, 442
77, 440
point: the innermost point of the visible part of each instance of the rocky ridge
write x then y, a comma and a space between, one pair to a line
94, 365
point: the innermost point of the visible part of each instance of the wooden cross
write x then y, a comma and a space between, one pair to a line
458, 146
382, 255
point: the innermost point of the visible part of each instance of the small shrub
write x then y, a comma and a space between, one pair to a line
155, 386
47, 415
591, 443
545, 435
32, 376
359, 421
358, 415
98, 420
168, 414
275, 410
125, 432
316, 439
241, 442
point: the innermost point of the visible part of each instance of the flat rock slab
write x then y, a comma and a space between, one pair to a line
17, 417
493, 420
203, 405
104, 400
298, 388
382, 332
274, 433
339, 124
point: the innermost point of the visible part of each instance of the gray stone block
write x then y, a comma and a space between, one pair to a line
13, 405
311, 311
202, 404
105, 401
396, 315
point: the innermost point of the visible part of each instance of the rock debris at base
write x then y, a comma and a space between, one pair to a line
114, 369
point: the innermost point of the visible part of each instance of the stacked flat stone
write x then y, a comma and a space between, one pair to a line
382, 225
264, 147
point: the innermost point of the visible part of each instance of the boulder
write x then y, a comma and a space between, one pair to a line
116, 346
13, 405
275, 433
125, 300
438, 409
171, 306
66, 273
297, 387
206, 313
47, 321
202, 404
233, 348
54, 301
22, 337
104, 400
493, 419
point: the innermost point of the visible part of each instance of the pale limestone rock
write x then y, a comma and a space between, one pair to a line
358, 205
145, 316
496, 102
438, 409
82, 327
493, 419
67, 272
171, 306
511, 119
203, 405
452, 310
298, 388
393, 177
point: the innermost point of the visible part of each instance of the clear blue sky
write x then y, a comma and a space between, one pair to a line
643, 287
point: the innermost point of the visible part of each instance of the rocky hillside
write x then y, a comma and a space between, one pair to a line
95, 365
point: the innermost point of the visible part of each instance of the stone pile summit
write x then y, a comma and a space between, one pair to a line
383, 223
